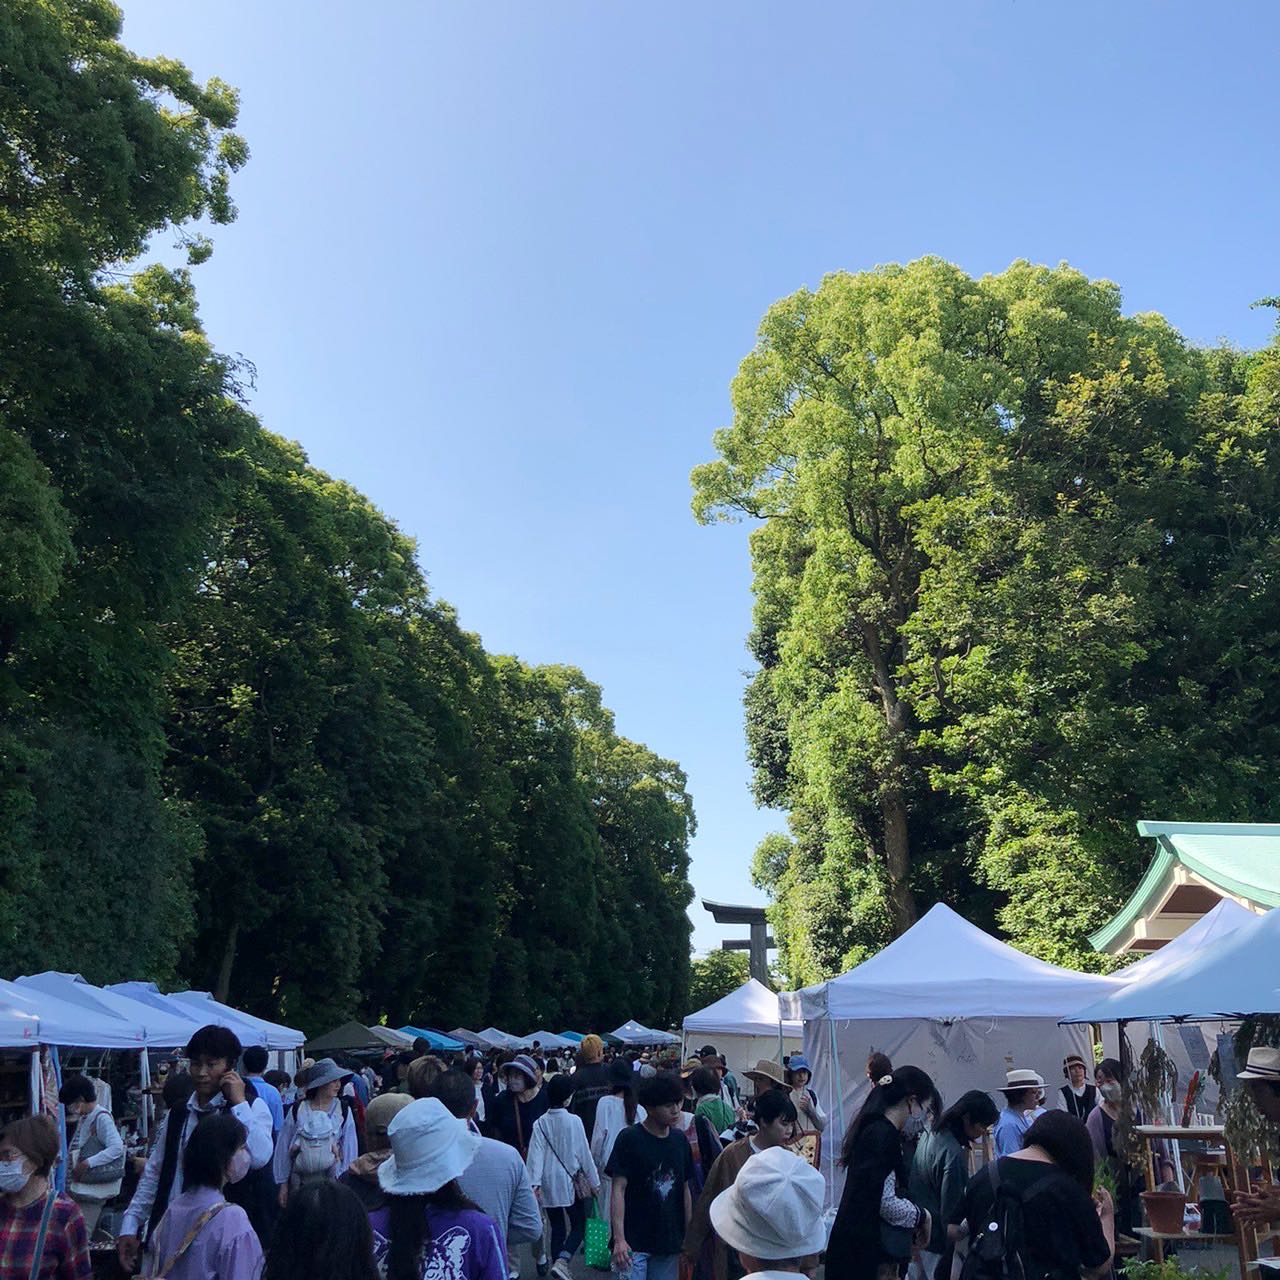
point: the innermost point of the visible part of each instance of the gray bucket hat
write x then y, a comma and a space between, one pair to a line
325, 1071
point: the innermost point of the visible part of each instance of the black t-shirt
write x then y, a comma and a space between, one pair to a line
1061, 1227
656, 1170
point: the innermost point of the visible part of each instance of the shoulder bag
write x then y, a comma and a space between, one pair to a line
582, 1188
37, 1256
197, 1227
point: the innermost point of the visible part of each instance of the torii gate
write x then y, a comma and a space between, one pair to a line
759, 942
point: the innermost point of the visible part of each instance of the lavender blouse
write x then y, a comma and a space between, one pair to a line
226, 1248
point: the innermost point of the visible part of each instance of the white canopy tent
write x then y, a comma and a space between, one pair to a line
633, 1033
549, 1040
255, 1030
29, 1017
744, 1026
1235, 977
945, 997
158, 1029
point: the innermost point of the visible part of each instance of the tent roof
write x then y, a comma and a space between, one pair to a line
574, 1037
1215, 924
353, 1037
436, 1039
751, 1010
154, 1027
1241, 858
270, 1034
549, 1040
499, 1039
468, 1038
945, 967
635, 1033
29, 1016
1233, 978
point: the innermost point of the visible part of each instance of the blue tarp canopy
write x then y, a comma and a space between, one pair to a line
574, 1036
1238, 975
436, 1039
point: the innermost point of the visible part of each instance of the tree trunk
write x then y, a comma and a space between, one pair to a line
223, 987
897, 852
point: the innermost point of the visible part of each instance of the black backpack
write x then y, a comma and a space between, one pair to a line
998, 1250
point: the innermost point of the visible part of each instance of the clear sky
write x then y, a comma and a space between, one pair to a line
497, 262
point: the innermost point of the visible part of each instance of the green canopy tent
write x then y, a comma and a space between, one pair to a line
355, 1037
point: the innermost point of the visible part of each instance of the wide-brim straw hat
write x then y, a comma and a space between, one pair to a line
1023, 1078
691, 1065
1263, 1064
767, 1070
429, 1149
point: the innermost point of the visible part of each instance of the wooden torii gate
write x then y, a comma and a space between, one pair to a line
757, 944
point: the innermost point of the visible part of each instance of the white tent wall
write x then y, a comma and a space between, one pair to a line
959, 1055
740, 1052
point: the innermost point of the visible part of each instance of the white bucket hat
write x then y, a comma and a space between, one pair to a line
774, 1208
428, 1149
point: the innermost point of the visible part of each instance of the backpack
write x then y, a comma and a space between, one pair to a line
315, 1148
998, 1250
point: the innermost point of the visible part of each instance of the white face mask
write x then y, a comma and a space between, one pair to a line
239, 1165
1111, 1091
13, 1175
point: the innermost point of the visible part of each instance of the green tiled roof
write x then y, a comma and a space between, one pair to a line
1240, 858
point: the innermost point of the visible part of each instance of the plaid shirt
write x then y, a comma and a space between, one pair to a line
66, 1244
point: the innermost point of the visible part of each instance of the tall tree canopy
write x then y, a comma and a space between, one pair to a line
1015, 587
241, 747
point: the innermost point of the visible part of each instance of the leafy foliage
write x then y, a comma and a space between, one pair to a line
1014, 567
240, 745
716, 975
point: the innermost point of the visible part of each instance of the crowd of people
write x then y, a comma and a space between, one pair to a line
428, 1170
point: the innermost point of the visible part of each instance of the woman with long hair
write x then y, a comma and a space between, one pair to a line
620, 1110
323, 1234
428, 1227
940, 1167
876, 1224
1068, 1229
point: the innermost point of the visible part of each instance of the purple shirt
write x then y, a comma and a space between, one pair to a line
464, 1245
225, 1249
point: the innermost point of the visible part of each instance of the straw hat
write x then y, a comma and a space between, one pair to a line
1024, 1078
429, 1148
1263, 1064
767, 1071
773, 1210
691, 1065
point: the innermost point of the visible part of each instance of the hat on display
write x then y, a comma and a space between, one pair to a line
1023, 1078
766, 1070
1263, 1064
523, 1063
773, 1210
326, 1071
429, 1148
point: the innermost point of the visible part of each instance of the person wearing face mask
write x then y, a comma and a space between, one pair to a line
775, 1127
215, 1086
42, 1233
95, 1152
318, 1139
877, 1224
201, 1236
1109, 1075
1023, 1092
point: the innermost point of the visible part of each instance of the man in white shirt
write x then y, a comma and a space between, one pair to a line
213, 1053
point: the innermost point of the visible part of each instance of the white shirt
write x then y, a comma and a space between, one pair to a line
348, 1145
98, 1122
611, 1119
558, 1136
256, 1118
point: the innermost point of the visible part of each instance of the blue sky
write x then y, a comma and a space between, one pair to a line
497, 263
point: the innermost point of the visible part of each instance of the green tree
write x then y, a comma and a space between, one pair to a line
716, 975
992, 515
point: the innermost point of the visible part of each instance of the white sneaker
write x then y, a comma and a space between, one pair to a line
560, 1269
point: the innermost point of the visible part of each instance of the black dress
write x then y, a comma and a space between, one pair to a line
854, 1251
